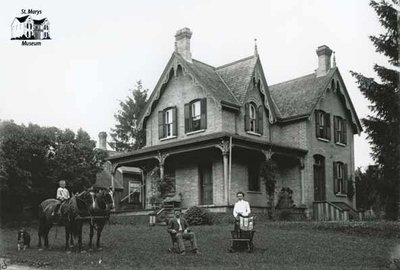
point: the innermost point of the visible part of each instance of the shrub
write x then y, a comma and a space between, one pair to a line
198, 216
285, 215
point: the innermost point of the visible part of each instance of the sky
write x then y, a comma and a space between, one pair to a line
100, 49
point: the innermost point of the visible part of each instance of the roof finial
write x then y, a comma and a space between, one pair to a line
333, 60
255, 47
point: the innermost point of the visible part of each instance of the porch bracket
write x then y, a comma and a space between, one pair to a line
161, 157
268, 154
224, 147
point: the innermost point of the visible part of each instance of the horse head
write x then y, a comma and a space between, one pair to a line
104, 201
85, 200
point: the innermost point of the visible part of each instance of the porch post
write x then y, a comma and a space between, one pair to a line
161, 157
302, 172
224, 147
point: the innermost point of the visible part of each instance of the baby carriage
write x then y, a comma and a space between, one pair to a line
242, 236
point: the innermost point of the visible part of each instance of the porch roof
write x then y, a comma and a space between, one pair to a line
202, 142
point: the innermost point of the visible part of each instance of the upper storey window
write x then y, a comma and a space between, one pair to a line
340, 134
322, 125
253, 118
196, 115
167, 125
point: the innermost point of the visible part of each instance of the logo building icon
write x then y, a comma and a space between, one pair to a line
26, 28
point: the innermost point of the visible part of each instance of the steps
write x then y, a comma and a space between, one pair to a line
328, 211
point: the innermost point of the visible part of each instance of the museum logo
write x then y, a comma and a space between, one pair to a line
30, 28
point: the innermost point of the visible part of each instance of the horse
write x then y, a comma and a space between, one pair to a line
71, 209
103, 203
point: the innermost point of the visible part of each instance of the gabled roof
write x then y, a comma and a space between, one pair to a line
22, 19
39, 21
237, 75
297, 98
227, 84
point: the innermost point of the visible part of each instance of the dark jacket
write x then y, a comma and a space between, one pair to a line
173, 225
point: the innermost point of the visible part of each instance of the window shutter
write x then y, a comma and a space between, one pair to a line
187, 118
174, 122
246, 117
161, 133
328, 125
335, 128
335, 182
260, 119
317, 124
203, 113
345, 179
344, 131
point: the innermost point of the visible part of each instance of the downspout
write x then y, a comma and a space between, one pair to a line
230, 170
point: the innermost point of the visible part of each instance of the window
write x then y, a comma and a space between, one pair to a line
254, 176
322, 125
340, 134
196, 115
167, 123
253, 118
340, 177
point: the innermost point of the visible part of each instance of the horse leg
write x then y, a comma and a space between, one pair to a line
79, 228
71, 240
91, 235
100, 227
46, 237
67, 235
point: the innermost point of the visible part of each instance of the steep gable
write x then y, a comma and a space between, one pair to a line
297, 98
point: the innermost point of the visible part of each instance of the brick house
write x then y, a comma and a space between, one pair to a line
211, 127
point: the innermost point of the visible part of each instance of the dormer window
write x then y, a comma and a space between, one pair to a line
196, 115
253, 118
322, 125
340, 134
167, 127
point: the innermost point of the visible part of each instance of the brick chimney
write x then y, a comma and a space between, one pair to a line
182, 43
324, 60
103, 140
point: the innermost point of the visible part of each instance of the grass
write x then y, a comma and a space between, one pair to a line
278, 245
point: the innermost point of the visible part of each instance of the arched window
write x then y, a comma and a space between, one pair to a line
179, 71
322, 125
252, 117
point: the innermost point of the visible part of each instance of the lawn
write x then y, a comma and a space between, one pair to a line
278, 245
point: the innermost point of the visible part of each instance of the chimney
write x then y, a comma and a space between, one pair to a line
103, 140
182, 43
324, 60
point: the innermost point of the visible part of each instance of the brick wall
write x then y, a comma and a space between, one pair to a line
181, 90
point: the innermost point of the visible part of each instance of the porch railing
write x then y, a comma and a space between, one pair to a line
327, 211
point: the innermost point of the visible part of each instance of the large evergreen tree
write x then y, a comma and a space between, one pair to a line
126, 135
382, 126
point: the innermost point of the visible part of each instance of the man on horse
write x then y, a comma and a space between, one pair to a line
62, 196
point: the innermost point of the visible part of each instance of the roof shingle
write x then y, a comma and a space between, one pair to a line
298, 97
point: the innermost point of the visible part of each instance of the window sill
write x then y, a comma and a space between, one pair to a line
167, 138
253, 133
340, 144
195, 132
253, 192
341, 195
322, 139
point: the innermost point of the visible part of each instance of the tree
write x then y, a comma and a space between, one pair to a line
382, 126
126, 135
367, 186
34, 158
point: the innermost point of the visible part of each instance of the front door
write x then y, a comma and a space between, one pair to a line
319, 178
206, 184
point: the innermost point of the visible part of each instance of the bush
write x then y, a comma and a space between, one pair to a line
198, 216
